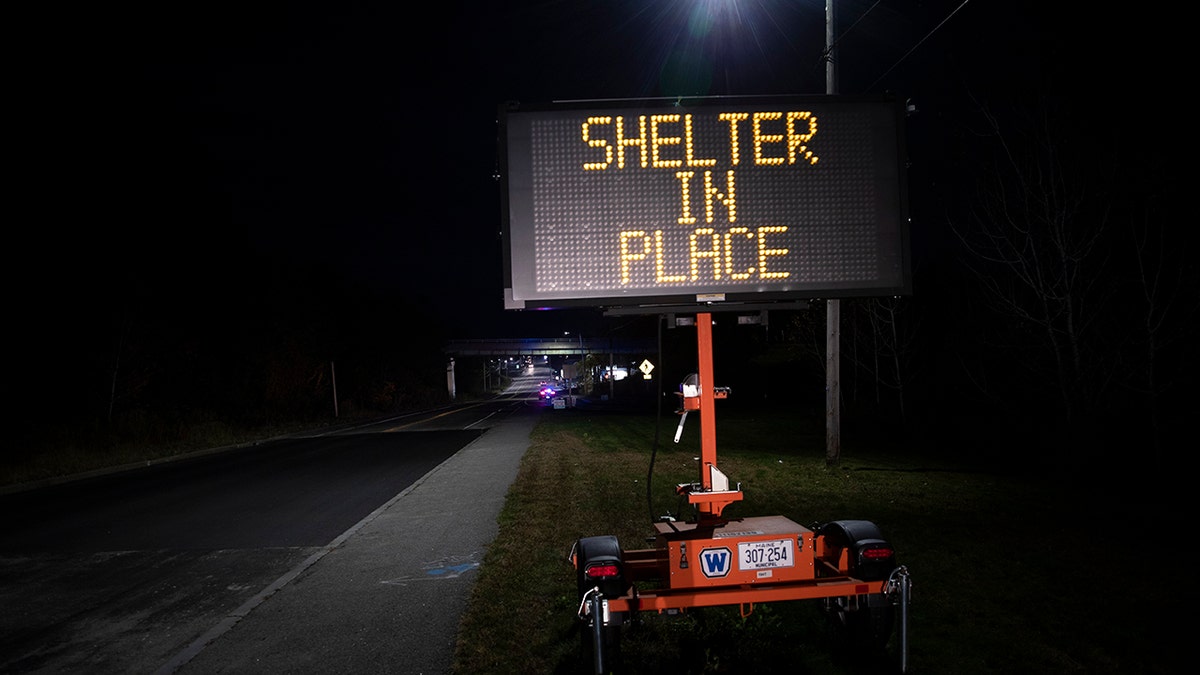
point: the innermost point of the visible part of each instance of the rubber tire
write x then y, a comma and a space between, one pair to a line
861, 635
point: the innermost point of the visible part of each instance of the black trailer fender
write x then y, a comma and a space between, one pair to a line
600, 576
599, 563
871, 557
861, 624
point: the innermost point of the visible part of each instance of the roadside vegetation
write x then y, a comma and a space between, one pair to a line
62, 455
1013, 572
56, 454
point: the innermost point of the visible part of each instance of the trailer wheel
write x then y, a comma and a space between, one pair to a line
859, 625
860, 630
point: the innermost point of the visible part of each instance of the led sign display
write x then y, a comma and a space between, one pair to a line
713, 200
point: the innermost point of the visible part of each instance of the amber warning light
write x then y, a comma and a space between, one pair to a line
713, 200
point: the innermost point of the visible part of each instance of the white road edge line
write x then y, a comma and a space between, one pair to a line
188, 653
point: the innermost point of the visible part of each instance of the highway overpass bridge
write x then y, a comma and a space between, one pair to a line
520, 347
541, 350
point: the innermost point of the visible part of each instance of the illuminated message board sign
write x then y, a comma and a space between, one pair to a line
716, 200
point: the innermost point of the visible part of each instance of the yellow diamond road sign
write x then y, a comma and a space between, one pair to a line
646, 367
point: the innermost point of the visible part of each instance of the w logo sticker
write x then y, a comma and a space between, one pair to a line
715, 562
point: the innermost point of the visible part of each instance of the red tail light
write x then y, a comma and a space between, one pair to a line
602, 571
877, 553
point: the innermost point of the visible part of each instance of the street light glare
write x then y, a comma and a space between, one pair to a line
735, 47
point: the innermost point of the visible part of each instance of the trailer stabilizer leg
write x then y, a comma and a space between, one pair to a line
900, 583
597, 606
593, 610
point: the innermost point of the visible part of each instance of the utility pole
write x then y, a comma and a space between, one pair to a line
333, 379
833, 308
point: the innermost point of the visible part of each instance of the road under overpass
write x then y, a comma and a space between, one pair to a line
540, 350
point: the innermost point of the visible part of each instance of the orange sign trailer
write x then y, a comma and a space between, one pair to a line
712, 561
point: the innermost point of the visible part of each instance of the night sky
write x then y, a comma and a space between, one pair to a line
198, 167
175, 149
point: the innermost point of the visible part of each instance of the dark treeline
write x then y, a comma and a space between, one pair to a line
154, 352
164, 194
1052, 317
1053, 313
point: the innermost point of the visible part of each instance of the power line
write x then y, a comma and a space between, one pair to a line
922, 41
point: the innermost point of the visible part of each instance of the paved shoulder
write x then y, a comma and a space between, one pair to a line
387, 595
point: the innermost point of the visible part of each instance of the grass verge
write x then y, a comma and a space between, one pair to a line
1012, 572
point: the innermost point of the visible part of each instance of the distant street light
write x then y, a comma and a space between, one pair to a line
568, 333
579, 367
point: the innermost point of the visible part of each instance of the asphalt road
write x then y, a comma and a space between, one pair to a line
346, 552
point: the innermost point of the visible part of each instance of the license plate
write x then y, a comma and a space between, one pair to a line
758, 555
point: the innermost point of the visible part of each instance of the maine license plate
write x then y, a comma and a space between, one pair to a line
758, 555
